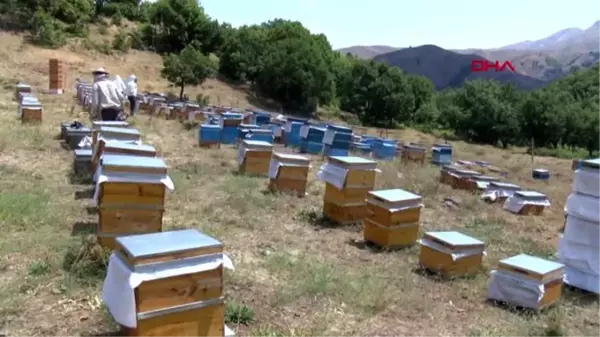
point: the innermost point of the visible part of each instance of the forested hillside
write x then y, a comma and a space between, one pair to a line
284, 62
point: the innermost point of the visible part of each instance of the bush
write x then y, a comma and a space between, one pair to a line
47, 31
122, 42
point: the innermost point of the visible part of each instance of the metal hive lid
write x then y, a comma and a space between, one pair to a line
148, 245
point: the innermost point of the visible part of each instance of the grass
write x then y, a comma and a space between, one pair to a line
295, 275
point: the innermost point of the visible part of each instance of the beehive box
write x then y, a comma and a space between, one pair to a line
254, 157
74, 135
97, 125
124, 148
288, 173
106, 134
446, 173
21, 88
348, 180
480, 182
460, 179
414, 153
527, 203
189, 303
531, 272
57, 75
31, 114
82, 162
501, 191
452, 254
392, 218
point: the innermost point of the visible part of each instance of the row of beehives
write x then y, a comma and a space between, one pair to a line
157, 283
29, 109
513, 197
390, 219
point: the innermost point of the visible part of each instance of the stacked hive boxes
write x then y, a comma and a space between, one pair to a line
167, 284
254, 157
288, 173
337, 141
229, 123
74, 134
58, 76
311, 139
578, 248
106, 133
130, 196
243, 130
264, 135
347, 182
124, 148
97, 125
441, 154
452, 254
526, 281
527, 203
392, 218
30, 108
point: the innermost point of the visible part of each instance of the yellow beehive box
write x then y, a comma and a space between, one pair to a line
31, 114
393, 207
181, 293
344, 214
347, 195
526, 281
451, 254
353, 171
254, 157
288, 173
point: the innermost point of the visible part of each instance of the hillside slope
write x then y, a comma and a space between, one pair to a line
449, 69
367, 52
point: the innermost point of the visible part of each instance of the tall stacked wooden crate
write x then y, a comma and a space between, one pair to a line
347, 183
288, 173
167, 284
57, 76
392, 218
130, 196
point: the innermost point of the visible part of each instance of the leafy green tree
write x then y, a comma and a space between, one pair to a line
189, 67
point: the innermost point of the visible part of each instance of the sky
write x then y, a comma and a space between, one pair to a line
455, 24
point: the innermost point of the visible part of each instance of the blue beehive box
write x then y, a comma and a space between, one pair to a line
209, 133
291, 133
243, 130
230, 121
264, 135
311, 147
335, 152
261, 118
362, 148
384, 148
311, 139
337, 138
441, 154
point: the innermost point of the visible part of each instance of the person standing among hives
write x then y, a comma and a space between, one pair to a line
132, 89
106, 97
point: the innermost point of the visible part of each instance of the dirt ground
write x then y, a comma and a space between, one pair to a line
294, 275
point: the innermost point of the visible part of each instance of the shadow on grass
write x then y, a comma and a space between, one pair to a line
83, 228
85, 194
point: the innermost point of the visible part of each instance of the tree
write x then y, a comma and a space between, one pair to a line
189, 67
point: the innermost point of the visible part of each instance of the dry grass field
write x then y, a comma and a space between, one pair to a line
295, 275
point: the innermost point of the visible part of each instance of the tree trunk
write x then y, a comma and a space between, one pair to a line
181, 86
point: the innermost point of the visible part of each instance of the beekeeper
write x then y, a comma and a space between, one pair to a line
107, 99
131, 91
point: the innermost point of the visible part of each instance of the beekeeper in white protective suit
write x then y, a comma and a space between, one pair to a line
107, 98
131, 93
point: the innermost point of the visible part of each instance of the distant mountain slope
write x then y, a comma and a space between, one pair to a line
367, 52
561, 39
449, 69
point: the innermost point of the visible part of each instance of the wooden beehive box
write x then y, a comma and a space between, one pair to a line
189, 304
531, 200
254, 157
451, 254
108, 133
82, 161
548, 273
392, 218
461, 179
481, 182
288, 173
96, 125
31, 114
21, 88
414, 153
361, 171
504, 189
344, 214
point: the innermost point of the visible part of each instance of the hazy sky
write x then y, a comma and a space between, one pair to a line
454, 24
